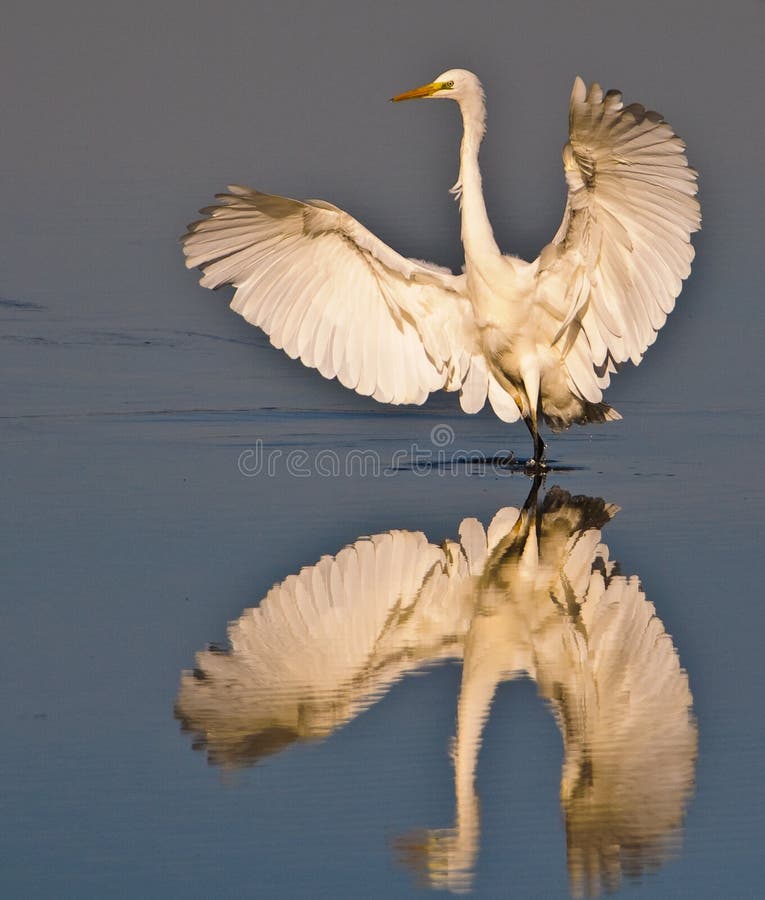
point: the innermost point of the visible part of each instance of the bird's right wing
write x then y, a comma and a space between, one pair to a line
327, 290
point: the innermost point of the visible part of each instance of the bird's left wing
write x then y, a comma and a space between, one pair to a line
610, 276
326, 290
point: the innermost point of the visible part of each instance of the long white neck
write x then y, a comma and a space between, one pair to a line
477, 235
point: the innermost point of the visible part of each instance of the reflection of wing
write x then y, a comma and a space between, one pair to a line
612, 272
385, 326
631, 747
553, 606
620, 697
325, 643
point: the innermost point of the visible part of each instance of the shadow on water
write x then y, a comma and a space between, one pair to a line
475, 462
535, 594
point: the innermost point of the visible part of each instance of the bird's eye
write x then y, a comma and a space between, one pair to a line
449, 84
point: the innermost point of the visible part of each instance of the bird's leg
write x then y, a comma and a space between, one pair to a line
540, 449
531, 383
539, 460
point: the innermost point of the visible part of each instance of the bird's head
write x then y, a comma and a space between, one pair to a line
454, 84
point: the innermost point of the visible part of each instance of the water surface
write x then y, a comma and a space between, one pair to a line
537, 696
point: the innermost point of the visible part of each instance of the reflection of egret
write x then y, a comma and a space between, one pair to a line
534, 594
537, 338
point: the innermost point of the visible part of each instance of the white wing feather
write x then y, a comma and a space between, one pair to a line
613, 270
326, 290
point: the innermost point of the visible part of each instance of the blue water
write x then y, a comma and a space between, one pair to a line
132, 538
141, 523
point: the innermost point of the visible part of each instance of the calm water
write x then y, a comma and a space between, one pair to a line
265, 638
390, 681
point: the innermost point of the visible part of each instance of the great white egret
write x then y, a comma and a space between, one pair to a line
536, 339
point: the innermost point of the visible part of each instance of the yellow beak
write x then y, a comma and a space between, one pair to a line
427, 90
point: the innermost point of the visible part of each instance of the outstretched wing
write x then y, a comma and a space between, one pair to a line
326, 290
612, 272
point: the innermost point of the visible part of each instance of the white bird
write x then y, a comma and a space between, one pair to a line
537, 339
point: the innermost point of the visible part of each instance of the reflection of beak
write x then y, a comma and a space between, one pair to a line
427, 90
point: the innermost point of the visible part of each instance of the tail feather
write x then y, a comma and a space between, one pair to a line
586, 413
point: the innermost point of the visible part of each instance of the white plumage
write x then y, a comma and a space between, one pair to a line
535, 339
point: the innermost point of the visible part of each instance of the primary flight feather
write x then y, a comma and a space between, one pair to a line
537, 339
